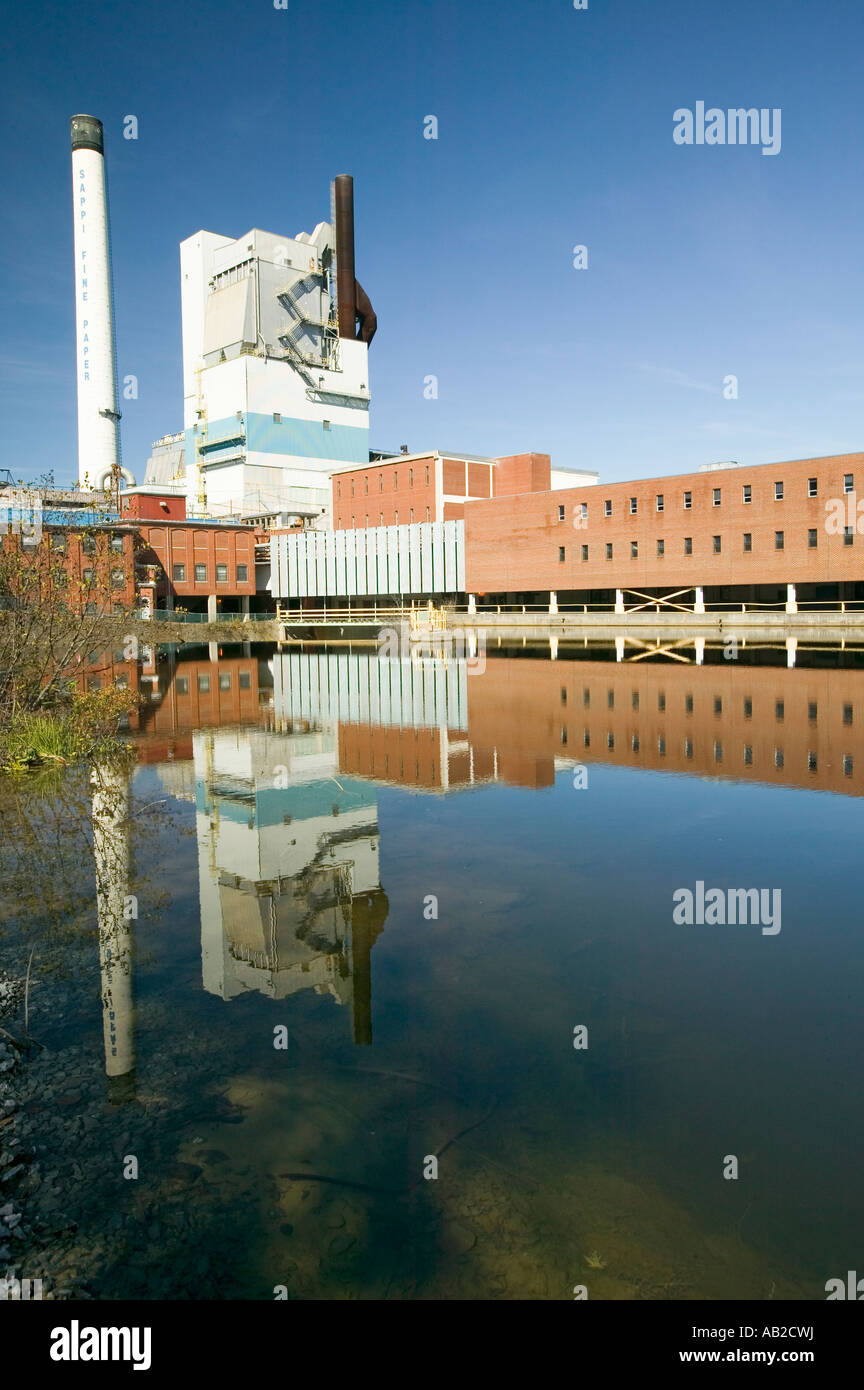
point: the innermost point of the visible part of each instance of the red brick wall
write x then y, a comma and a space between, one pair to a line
150, 506
522, 473
512, 543
385, 492
208, 545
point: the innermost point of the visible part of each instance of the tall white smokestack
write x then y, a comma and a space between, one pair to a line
98, 416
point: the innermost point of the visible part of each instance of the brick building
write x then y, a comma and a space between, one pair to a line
196, 565
733, 532
435, 487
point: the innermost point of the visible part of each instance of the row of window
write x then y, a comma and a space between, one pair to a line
779, 757
88, 543
178, 574
716, 497
779, 705
717, 544
181, 683
381, 518
381, 482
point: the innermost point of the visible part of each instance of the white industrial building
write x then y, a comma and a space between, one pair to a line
275, 400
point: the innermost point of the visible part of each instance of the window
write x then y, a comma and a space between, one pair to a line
87, 576
812, 763
563, 694
610, 699
847, 765
366, 484
812, 711
366, 523
200, 574
118, 579
778, 492
610, 740
748, 540
716, 544
688, 501
718, 704
634, 699
427, 475
607, 508
181, 685
58, 542
560, 553
812, 538
338, 488
395, 517
560, 513
381, 517
586, 738
395, 481
634, 550
608, 550
91, 610
661, 546
242, 574
586, 697
848, 535
583, 510
352, 487
688, 545
748, 755
204, 685
812, 487
716, 497
411, 516
326, 424
225, 682
584, 552
221, 574
277, 418
427, 515
748, 707
688, 748
410, 477
94, 682
688, 704
634, 742
659, 501
380, 482
661, 746
244, 680
718, 751
848, 482
661, 702
88, 545
117, 544
779, 540
747, 493
779, 709
847, 714
778, 757
633, 505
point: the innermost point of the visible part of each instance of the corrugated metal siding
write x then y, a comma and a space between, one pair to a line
427, 557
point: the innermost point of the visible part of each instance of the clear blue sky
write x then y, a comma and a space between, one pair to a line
555, 129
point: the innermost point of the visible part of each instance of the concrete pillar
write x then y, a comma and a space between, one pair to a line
212, 611
116, 912
791, 651
213, 651
553, 602
244, 607
472, 603
619, 601
553, 648
791, 599
619, 648
247, 648
699, 605
700, 650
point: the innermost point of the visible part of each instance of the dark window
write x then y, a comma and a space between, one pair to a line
117, 545
225, 682
586, 697
716, 497
688, 501
748, 707
778, 540
87, 576
610, 740
847, 765
661, 701
607, 508
563, 735
560, 552
813, 711
778, 492
688, 703
688, 545
88, 545
634, 699
204, 684
778, 757
812, 764
716, 541
688, 748
560, 513
779, 709
748, 540
58, 542
242, 574
718, 705
244, 680
847, 714
661, 746
848, 535
200, 574
586, 738
181, 685
747, 493
118, 579
748, 755
608, 550
848, 482
634, 742
563, 694
812, 538
660, 547
178, 572
633, 505
634, 550
94, 682
584, 552
659, 501
610, 699
221, 574
812, 487
427, 473
410, 478
718, 751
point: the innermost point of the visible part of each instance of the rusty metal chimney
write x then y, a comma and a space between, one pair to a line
343, 197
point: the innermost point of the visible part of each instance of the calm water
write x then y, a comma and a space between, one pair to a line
374, 901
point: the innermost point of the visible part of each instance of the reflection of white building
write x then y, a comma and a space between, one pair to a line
288, 868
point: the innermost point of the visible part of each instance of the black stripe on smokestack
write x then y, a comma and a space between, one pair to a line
343, 190
87, 134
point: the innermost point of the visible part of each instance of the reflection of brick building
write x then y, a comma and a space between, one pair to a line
797, 727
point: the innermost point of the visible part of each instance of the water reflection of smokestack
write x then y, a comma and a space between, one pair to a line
111, 853
368, 915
